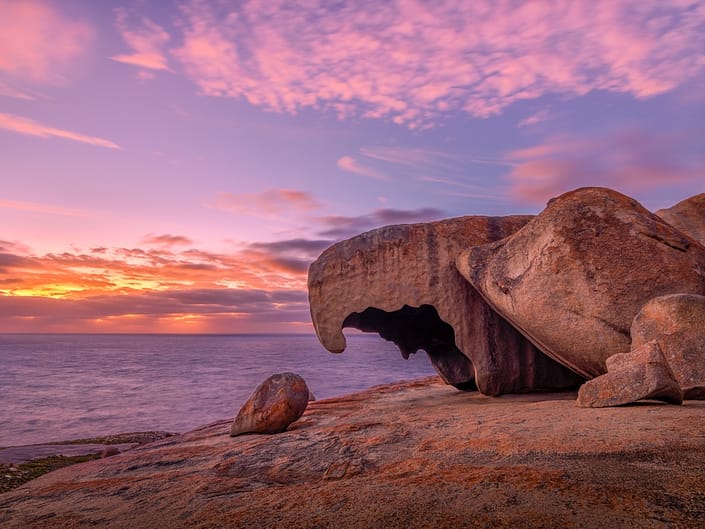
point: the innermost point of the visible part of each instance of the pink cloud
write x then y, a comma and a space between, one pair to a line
269, 202
410, 62
147, 40
629, 161
167, 240
351, 165
41, 208
22, 125
37, 41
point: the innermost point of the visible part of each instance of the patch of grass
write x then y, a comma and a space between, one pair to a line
121, 438
12, 476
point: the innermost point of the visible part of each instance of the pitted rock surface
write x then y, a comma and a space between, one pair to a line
401, 282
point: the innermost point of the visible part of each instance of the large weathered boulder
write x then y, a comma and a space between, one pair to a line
688, 216
275, 404
677, 323
575, 276
401, 282
639, 374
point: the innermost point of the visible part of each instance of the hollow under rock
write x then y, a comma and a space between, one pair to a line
419, 328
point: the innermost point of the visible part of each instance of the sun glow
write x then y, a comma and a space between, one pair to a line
56, 291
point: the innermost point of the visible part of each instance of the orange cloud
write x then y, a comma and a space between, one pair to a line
147, 40
629, 161
38, 41
259, 288
411, 62
156, 290
29, 127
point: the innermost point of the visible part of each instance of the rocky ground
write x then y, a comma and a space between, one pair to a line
417, 454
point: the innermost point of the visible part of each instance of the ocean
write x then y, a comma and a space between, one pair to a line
56, 387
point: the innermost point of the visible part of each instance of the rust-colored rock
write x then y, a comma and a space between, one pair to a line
677, 323
639, 374
409, 456
401, 281
276, 403
688, 216
574, 277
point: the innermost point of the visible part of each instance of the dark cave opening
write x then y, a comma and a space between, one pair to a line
419, 328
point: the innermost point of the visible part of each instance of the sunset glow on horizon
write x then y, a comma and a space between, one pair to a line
175, 166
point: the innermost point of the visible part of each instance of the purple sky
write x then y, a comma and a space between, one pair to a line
175, 166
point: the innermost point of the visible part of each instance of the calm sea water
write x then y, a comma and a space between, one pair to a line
59, 387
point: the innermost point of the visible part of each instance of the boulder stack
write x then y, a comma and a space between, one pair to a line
574, 277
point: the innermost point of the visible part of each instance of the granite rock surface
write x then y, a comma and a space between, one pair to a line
411, 455
688, 216
573, 278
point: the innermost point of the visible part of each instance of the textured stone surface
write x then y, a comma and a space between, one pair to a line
574, 277
415, 455
640, 374
677, 323
275, 404
688, 216
401, 281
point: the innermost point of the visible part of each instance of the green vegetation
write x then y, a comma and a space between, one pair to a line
12, 476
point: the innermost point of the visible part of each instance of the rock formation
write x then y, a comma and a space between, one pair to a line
574, 277
688, 216
514, 304
401, 282
276, 403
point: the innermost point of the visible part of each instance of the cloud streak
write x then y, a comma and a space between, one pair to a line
268, 202
29, 127
412, 62
341, 227
167, 240
8, 91
351, 165
41, 208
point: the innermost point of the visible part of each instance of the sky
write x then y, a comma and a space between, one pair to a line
176, 166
